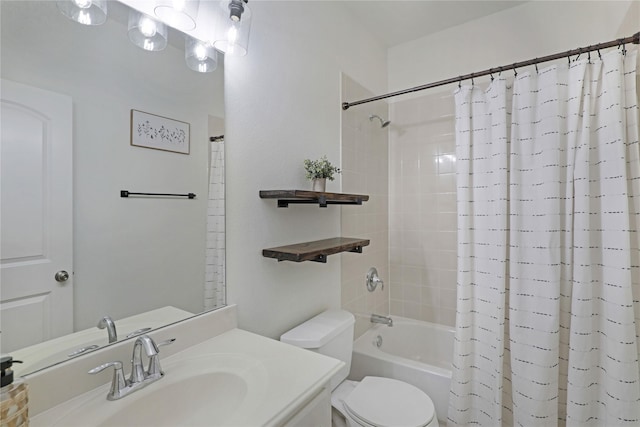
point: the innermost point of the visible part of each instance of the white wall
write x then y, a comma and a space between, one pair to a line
282, 106
130, 255
534, 29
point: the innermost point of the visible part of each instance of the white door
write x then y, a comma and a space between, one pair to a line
35, 216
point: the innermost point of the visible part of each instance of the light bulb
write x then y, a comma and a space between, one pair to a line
145, 32
228, 36
84, 17
86, 12
83, 4
200, 52
147, 27
200, 56
232, 34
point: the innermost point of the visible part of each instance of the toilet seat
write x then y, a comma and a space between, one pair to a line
382, 402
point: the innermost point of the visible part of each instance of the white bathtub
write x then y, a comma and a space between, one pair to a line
419, 353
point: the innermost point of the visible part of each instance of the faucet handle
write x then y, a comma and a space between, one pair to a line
118, 383
117, 365
373, 280
166, 342
155, 370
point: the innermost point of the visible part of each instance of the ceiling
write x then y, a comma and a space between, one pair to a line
397, 21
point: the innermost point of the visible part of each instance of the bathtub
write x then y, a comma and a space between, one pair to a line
416, 352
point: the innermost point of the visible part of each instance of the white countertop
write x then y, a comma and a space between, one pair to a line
282, 378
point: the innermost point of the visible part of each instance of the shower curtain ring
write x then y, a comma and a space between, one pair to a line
536, 65
599, 55
460, 83
491, 74
515, 72
622, 44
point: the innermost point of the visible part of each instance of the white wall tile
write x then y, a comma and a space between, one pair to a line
423, 216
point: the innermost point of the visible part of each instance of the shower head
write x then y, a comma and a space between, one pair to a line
383, 123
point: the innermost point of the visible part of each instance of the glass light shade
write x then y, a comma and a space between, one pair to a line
200, 56
147, 33
179, 14
86, 12
230, 36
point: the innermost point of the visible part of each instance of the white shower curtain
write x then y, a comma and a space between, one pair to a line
548, 314
214, 287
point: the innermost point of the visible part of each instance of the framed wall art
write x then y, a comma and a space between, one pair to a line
160, 133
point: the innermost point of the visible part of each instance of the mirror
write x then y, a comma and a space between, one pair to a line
138, 260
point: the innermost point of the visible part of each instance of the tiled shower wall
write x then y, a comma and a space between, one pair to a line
365, 170
422, 226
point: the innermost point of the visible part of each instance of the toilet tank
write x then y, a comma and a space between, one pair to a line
329, 333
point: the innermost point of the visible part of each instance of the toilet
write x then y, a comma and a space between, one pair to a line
372, 402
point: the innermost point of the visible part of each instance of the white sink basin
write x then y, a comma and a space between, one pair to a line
194, 392
199, 402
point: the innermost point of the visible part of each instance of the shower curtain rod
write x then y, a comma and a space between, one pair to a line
618, 42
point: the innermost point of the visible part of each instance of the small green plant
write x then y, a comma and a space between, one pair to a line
321, 168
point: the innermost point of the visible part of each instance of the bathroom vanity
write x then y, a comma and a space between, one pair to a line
224, 376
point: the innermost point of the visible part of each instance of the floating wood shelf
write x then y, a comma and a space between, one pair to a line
316, 251
287, 197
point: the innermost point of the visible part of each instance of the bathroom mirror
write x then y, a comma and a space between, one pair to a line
139, 260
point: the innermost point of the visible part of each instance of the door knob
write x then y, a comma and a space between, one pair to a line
61, 276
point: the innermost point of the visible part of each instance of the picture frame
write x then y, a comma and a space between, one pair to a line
159, 133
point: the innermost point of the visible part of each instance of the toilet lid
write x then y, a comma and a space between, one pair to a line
387, 402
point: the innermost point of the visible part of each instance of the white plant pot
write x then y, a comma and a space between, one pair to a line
319, 184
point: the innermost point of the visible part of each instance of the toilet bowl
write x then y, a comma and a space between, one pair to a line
372, 402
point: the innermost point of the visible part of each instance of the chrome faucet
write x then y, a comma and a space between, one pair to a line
107, 322
385, 320
138, 374
139, 378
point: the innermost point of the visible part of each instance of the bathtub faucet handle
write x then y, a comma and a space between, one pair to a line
373, 280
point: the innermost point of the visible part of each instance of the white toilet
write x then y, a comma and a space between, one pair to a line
372, 402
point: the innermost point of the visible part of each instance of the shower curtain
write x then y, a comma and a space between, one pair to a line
214, 286
548, 311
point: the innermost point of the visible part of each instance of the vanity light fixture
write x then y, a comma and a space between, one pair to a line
145, 32
86, 12
179, 14
226, 27
200, 56
231, 34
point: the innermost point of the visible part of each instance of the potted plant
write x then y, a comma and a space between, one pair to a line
318, 171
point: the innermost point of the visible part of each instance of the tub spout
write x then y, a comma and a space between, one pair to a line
385, 320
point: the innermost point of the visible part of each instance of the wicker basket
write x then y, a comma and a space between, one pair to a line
14, 411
